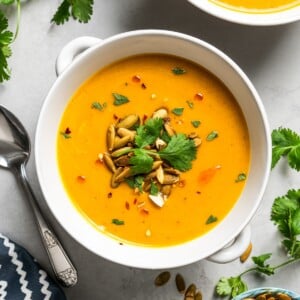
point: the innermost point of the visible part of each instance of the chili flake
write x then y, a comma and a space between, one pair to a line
198, 96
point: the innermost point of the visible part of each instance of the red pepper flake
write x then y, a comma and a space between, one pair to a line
143, 85
136, 78
198, 96
134, 201
181, 183
68, 131
198, 192
109, 195
115, 117
81, 178
145, 117
145, 211
127, 205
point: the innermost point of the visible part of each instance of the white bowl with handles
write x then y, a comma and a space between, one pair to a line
80, 59
253, 19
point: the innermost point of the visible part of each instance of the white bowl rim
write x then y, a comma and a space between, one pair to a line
256, 291
252, 19
148, 264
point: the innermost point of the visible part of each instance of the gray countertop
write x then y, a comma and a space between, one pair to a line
269, 56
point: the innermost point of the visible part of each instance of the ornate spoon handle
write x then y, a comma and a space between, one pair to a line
64, 270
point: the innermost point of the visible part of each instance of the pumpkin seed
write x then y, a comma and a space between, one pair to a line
122, 161
198, 296
126, 172
110, 137
170, 179
160, 174
161, 113
190, 291
180, 283
283, 297
122, 132
246, 254
113, 183
197, 142
166, 189
121, 142
128, 122
121, 151
162, 278
169, 129
109, 162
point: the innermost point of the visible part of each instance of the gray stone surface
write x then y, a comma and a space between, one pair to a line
269, 56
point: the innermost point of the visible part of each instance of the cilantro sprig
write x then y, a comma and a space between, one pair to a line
285, 214
286, 143
179, 152
80, 10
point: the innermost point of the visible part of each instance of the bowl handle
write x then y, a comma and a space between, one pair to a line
70, 51
235, 249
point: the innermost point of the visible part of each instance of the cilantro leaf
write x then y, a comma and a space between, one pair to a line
7, 2
120, 99
141, 162
286, 142
80, 10
135, 182
262, 266
6, 38
286, 215
231, 286
62, 14
179, 152
148, 133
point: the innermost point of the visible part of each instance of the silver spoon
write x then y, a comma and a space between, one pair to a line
14, 156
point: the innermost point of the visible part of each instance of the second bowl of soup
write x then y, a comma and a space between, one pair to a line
157, 149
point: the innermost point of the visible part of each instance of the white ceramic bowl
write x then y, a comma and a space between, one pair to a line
255, 19
72, 72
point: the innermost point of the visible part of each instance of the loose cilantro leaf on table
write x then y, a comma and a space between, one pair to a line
286, 142
6, 38
80, 10
286, 215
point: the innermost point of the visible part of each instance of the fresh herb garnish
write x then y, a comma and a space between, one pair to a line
178, 111
212, 135
286, 216
154, 189
80, 10
286, 143
117, 222
241, 177
190, 104
149, 132
120, 99
196, 123
178, 71
135, 182
6, 39
211, 219
179, 152
141, 162
98, 105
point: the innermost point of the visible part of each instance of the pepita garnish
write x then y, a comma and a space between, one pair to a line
180, 283
162, 278
143, 149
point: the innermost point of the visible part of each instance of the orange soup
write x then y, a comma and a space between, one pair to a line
258, 6
183, 166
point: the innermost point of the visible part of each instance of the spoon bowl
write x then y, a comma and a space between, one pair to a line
14, 155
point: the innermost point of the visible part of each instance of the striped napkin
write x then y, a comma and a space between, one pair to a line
21, 277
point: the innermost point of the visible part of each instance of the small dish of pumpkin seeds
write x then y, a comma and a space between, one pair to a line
268, 293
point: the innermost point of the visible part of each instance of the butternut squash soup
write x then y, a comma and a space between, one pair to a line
258, 6
153, 150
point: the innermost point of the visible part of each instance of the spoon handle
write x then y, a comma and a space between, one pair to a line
64, 270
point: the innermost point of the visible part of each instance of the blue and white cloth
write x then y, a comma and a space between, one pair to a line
21, 277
